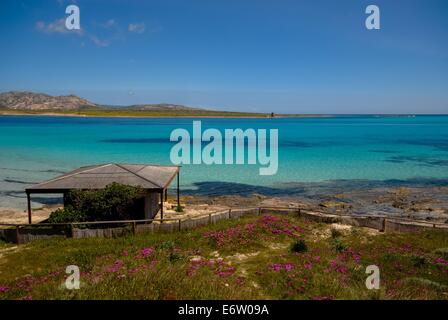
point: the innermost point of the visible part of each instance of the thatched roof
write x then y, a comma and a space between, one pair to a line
153, 177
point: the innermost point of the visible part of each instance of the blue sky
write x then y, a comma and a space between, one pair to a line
281, 56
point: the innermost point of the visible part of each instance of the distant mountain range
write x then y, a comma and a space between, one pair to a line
23, 100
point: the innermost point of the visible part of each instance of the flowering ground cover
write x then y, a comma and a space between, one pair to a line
266, 257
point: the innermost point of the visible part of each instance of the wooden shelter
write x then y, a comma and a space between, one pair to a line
155, 179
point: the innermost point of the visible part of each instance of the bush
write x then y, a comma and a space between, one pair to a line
299, 246
418, 261
335, 233
68, 214
111, 203
338, 246
166, 245
179, 209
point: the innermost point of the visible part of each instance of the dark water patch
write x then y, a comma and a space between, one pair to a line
18, 181
303, 144
385, 151
285, 144
29, 170
309, 189
150, 141
216, 188
395, 160
34, 198
136, 140
47, 200
438, 144
13, 194
419, 160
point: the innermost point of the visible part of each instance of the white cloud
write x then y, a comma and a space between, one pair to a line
57, 26
98, 42
114, 31
109, 24
138, 27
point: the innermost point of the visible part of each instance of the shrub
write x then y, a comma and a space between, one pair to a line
338, 246
418, 261
179, 209
111, 203
335, 233
173, 257
299, 246
165, 245
68, 214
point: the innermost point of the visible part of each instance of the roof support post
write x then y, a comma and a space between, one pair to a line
161, 205
178, 188
28, 200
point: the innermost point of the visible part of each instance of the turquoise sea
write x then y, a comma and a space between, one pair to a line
387, 149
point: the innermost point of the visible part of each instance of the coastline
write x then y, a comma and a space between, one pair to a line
55, 114
232, 115
429, 204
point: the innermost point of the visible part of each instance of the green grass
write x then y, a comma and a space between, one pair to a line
4, 244
109, 112
249, 258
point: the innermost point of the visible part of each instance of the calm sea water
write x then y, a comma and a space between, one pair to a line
372, 148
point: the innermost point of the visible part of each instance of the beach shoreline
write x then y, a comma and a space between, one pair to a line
428, 204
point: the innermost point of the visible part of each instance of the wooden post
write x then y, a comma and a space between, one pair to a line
28, 199
166, 195
161, 206
383, 227
17, 235
180, 224
178, 188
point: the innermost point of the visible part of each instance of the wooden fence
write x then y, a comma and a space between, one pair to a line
22, 233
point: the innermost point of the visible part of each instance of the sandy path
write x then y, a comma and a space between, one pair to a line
13, 215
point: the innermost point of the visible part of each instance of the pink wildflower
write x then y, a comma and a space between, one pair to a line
278, 267
118, 264
308, 265
145, 252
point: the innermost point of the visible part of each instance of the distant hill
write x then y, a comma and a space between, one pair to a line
23, 100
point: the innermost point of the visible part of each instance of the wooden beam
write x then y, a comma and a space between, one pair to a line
28, 200
178, 188
161, 204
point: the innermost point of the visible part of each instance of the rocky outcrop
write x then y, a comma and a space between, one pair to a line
22, 100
